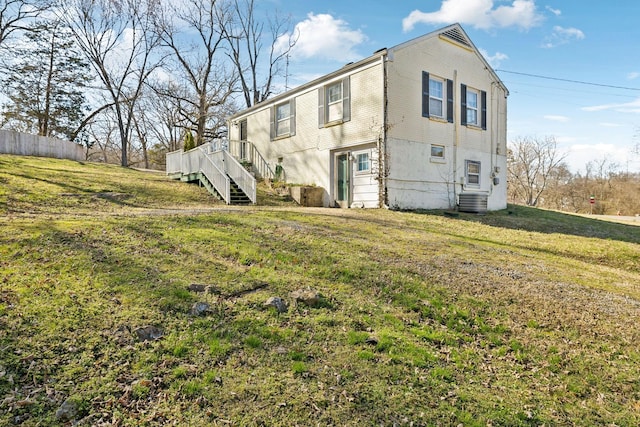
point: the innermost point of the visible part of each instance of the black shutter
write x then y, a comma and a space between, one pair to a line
346, 100
463, 104
272, 122
321, 107
450, 101
292, 117
425, 94
483, 103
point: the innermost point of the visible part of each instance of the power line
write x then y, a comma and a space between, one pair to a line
569, 80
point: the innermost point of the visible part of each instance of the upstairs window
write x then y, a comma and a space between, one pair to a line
437, 97
334, 103
283, 119
473, 107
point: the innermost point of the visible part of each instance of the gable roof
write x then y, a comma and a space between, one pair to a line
453, 33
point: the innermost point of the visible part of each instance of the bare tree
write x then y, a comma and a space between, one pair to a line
102, 136
531, 163
117, 40
208, 84
560, 193
16, 14
635, 149
244, 34
163, 113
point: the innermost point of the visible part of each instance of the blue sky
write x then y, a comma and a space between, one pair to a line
566, 41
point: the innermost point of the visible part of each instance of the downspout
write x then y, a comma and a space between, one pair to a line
495, 130
382, 140
456, 123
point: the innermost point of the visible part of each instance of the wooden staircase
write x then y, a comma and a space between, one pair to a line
219, 172
238, 197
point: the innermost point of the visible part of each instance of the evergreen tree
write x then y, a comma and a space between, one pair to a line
45, 83
189, 141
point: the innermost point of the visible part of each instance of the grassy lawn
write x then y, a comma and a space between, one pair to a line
521, 317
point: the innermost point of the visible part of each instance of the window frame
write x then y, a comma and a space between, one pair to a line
333, 104
440, 99
480, 108
468, 174
343, 104
446, 100
473, 110
279, 122
328, 88
359, 162
435, 156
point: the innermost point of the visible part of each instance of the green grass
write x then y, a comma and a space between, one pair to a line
521, 317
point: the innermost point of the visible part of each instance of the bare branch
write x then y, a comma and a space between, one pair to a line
16, 14
117, 40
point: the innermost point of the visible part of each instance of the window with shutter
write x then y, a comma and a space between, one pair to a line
334, 103
473, 107
283, 119
437, 97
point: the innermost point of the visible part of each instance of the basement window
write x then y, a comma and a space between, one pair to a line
472, 173
437, 151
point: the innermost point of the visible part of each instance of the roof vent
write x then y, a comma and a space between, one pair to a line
457, 36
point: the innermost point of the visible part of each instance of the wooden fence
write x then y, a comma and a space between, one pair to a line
24, 144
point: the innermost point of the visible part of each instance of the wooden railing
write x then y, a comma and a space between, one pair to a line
215, 174
233, 169
245, 151
174, 162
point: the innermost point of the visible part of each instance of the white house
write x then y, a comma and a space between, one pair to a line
421, 125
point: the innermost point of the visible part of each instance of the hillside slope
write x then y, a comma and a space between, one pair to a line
522, 317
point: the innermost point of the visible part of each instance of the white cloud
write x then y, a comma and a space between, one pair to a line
479, 14
325, 37
590, 152
633, 75
561, 119
494, 60
556, 12
561, 36
610, 125
627, 107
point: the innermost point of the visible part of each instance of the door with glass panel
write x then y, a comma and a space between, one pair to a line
343, 180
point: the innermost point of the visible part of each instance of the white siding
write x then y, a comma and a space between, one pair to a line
415, 181
364, 184
306, 156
